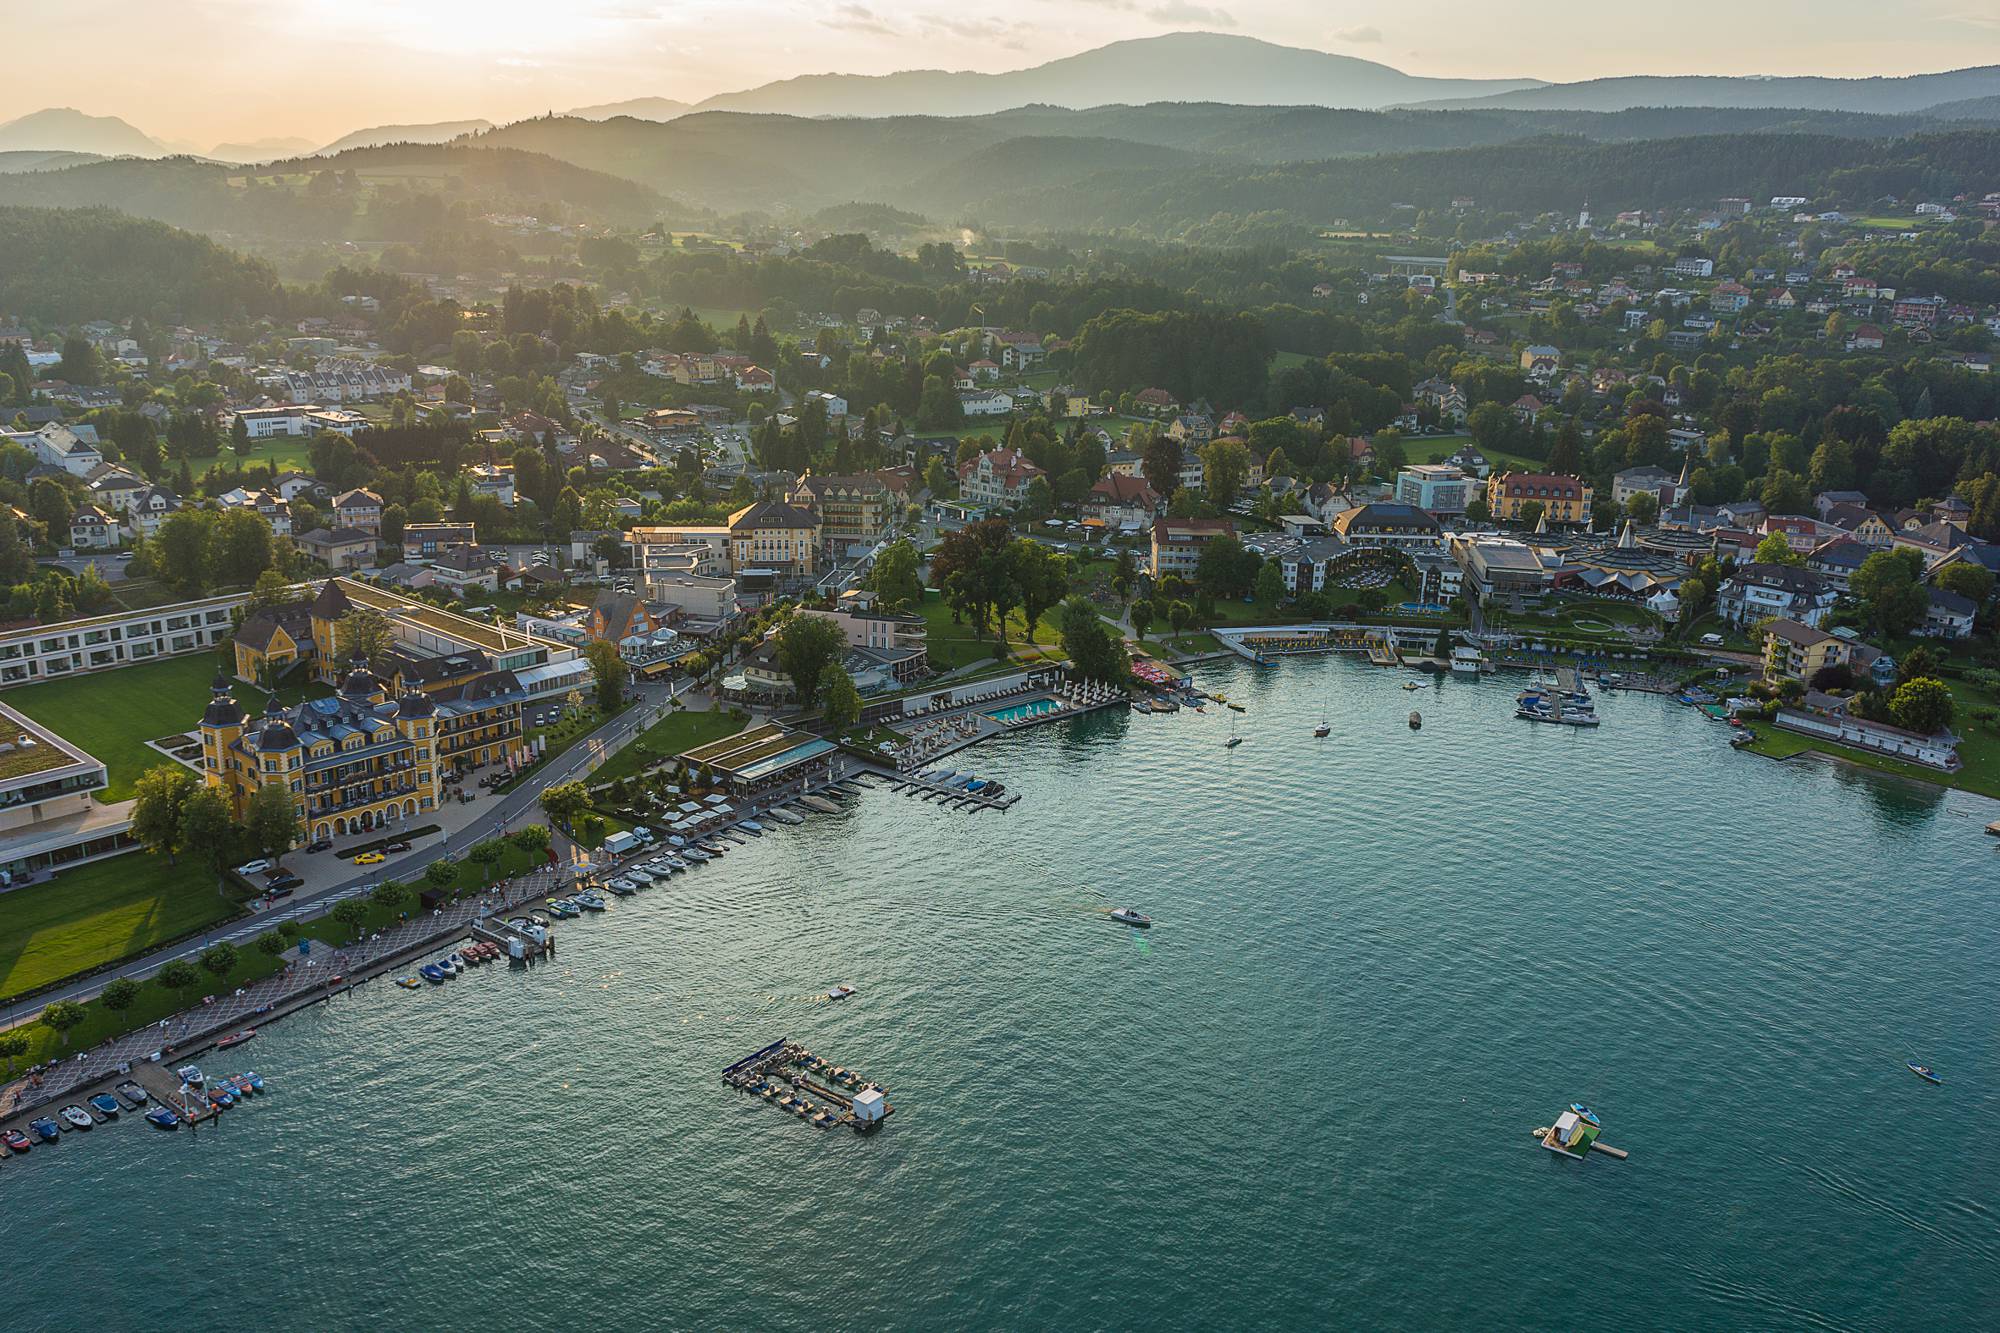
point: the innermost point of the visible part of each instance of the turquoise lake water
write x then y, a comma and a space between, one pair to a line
1302, 1100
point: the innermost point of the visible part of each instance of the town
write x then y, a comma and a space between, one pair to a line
407, 543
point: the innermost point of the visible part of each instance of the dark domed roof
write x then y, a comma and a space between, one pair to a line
223, 711
277, 735
415, 704
359, 684
220, 685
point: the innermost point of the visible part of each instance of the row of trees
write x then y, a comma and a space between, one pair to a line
174, 811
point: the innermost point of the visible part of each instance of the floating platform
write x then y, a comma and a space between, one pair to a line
790, 1076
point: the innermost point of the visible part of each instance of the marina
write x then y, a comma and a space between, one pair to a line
784, 1075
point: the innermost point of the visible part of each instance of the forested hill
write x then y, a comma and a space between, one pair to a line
1549, 174
68, 265
362, 193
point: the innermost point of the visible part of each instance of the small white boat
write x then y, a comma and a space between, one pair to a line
1131, 916
751, 826
457, 961
840, 992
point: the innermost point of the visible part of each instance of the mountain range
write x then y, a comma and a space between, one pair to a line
1233, 70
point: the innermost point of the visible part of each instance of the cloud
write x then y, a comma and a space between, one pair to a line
1181, 11
858, 18
1009, 35
1358, 36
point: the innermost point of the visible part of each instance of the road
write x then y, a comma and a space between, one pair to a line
571, 763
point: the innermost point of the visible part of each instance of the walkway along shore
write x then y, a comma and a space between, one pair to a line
310, 980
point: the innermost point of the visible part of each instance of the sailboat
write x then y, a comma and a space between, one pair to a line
1234, 739
1325, 728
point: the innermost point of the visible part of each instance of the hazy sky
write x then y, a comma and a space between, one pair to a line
208, 70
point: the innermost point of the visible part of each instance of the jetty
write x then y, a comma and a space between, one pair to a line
950, 788
1574, 1135
790, 1076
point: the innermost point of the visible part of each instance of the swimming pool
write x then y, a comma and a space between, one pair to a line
1034, 708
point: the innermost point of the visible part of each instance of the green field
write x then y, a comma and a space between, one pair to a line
101, 912
669, 736
1286, 360
1433, 448
112, 714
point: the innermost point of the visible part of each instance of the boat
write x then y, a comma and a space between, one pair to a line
16, 1141
1131, 916
162, 1118
235, 1039
107, 1104
1416, 720
1238, 708
190, 1075
221, 1098
47, 1130
241, 1085
1467, 660
76, 1117
1322, 731
256, 1080
590, 902
409, 983
134, 1095
432, 973
564, 908
697, 854
840, 992
1413, 685
1232, 742
1923, 1072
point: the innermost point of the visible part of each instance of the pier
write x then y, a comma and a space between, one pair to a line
948, 789
781, 1072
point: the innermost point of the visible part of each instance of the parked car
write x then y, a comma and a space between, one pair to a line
320, 845
398, 846
283, 880
370, 859
283, 890
257, 867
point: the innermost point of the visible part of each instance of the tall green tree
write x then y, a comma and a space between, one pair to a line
894, 577
840, 702
609, 671
271, 822
159, 808
208, 828
1095, 653
808, 647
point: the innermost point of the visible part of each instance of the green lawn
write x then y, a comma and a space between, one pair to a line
672, 734
1979, 747
112, 714
1286, 360
154, 1002
956, 645
1435, 448
101, 912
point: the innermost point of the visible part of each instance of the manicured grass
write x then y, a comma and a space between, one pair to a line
153, 1003
1435, 448
1979, 747
100, 913
112, 714
671, 735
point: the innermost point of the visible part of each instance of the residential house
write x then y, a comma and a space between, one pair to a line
1949, 615
1645, 480
1121, 502
93, 530
997, 478
339, 549
425, 541
1155, 402
1178, 543
1761, 591
1797, 651
773, 536
359, 509
465, 569
71, 448
1402, 527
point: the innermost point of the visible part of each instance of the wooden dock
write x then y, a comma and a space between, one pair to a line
927, 788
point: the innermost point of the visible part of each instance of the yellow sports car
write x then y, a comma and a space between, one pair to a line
370, 859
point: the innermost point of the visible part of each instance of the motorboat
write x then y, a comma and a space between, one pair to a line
221, 1098
1131, 916
1923, 1072
590, 902
16, 1141
1416, 720
134, 1095
409, 983
162, 1118
236, 1039
256, 1080
1322, 731
840, 992
457, 961
76, 1117
635, 877
695, 854
190, 1075
432, 973
1232, 742
241, 1085
751, 827
1413, 685
106, 1104
680, 863
564, 908
47, 1130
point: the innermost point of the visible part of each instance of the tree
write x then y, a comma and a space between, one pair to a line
565, 801
608, 669
180, 976
1180, 615
218, 959
365, 634
1225, 467
271, 821
1529, 515
1923, 705
81, 362
13, 1045
118, 995
1160, 463
1094, 651
1775, 550
1643, 507
271, 944
351, 912
1968, 580
1785, 492
531, 838
208, 826
808, 646
1226, 567
1124, 571
895, 579
840, 703
59, 1016
1270, 584
1142, 616
1390, 455
1889, 587
440, 873
1041, 579
973, 570
53, 508
272, 589
159, 808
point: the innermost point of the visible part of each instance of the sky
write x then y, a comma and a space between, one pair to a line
204, 71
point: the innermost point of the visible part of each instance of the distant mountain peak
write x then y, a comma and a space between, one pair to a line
65, 129
442, 131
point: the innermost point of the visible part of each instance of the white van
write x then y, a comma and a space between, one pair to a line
1711, 640
620, 844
